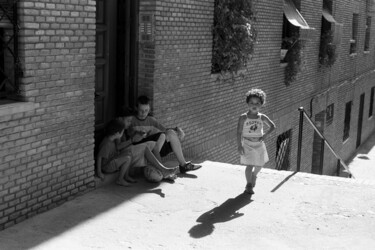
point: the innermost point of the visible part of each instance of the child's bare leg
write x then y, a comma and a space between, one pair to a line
159, 144
254, 175
124, 167
249, 173
176, 146
249, 176
156, 163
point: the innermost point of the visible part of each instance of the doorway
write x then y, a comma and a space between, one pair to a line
360, 119
115, 61
318, 145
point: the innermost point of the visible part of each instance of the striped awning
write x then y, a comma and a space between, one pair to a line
328, 16
293, 15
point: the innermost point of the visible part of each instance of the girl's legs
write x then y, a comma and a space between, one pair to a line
124, 162
156, 163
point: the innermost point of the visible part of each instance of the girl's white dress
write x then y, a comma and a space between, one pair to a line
255, 152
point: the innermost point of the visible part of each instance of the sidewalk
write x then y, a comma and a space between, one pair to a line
362, 166
207, 209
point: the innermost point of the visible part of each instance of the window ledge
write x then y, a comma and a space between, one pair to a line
283, 64
226, 76
353, 54
9, 107
366, 52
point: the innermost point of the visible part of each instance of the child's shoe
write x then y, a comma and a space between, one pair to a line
171, 173
189, 167
249, 189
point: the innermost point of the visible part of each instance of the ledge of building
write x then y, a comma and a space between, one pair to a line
9, 107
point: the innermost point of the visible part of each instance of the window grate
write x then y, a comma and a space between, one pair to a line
283, 150
10, 68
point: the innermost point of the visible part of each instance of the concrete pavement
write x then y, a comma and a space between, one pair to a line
207, 209
362, 166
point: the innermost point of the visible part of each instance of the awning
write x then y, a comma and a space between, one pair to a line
328, 16
293, 15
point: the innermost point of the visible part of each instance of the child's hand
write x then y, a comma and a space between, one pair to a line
101, 176
241, 150
139, 136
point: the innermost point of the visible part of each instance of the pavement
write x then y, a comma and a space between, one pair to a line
207, 209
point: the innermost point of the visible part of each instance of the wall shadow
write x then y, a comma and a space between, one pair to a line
51, 224
223, 213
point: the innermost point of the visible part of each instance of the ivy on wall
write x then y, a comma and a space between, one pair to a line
234, 35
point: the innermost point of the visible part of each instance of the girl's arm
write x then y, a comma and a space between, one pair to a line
241, 120
270, 124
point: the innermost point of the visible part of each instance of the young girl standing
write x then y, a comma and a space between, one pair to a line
250, 137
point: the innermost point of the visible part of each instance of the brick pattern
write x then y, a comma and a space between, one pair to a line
46, 154
186, 94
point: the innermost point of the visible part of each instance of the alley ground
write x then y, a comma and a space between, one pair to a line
207, 209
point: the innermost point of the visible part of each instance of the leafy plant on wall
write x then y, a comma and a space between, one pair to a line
327, 52
293, 58
234, 35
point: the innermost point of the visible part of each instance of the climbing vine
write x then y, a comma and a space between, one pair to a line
234, 35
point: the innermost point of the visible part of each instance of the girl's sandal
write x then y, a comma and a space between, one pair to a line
249, 189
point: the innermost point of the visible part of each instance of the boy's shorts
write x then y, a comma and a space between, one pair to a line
115, 164
165, 150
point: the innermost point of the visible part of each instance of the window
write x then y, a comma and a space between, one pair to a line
353, 40
329, 114
367, 34
348, 111
292, 22
328, 36
9, 61
371, 108
283, 150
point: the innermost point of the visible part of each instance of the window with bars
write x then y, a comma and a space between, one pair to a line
367, 34
353, 40
283, 150
348, 111
9, 61
371, 108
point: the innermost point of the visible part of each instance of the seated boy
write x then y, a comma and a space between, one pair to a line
141, 152
146, 128
109, 159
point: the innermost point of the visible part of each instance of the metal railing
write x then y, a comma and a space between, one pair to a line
339, 159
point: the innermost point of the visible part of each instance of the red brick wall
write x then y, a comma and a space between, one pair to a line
186, 94
46, 152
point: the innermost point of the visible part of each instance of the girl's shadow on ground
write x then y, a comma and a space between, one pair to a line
223, 213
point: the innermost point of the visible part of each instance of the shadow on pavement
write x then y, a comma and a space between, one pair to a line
282, 183
223, 213
43, 227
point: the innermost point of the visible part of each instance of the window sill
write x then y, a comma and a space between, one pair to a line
366, 52
353, 54
226, 76
283, 64
9, 107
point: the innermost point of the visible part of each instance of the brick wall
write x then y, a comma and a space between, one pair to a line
186, 94
46, 151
